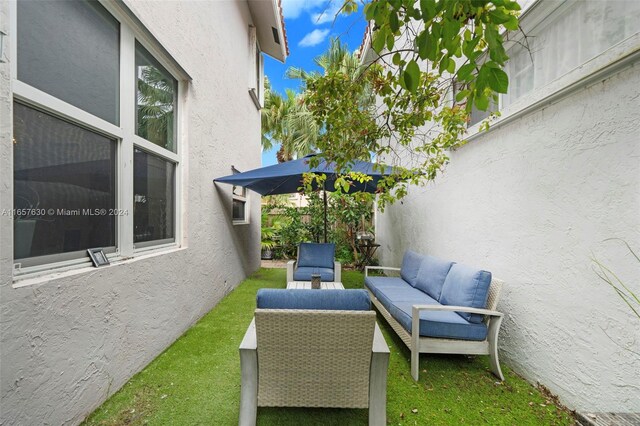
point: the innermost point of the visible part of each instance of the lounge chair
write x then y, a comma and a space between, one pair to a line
315, 258
310, 348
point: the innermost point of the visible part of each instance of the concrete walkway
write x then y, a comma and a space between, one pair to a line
282, 264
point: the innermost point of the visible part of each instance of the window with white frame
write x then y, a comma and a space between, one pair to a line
239, 212
256, 74
561, 36
567, 37
90, 101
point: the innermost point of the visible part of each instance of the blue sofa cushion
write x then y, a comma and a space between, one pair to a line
466, 286
410, 266
304, 273
332, 300
440, 324
389, 293
378, 284
316, 255
432, 274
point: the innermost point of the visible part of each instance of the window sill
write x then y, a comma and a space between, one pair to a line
624, 54
44, 277
240, 222
255, 99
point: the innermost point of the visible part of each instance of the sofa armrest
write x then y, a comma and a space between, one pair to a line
291, 265
418, 308
337, 271
383, 268
249, 377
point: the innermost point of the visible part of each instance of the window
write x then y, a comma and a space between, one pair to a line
57, 45
89, 100
569, 36
64, 177
239, 209
256, 75
153, 208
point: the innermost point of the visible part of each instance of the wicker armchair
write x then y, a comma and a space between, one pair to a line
314, 357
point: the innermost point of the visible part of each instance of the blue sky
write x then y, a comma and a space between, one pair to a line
310, 25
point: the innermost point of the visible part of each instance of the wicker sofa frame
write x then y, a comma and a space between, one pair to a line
430, 345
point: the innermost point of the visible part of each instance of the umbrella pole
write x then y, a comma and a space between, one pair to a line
324, 194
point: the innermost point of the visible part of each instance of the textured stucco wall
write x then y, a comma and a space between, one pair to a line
532, 201
67, 343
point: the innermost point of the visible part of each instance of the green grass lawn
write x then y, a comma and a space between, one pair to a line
196, 381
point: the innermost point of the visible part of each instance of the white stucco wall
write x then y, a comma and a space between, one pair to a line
532, 202
69, 342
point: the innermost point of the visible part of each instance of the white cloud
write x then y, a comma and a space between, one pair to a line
314, 38
292, 9
327, 13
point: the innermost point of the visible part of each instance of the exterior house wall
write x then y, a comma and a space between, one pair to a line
533, 201
71, 339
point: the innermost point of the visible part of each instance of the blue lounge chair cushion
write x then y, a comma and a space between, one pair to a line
466, 286
432, 274
332, 300
316, 255
440, 324
410, 265
304, 273
389, 294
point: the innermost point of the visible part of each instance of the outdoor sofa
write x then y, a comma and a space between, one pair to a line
439, 306
313, 348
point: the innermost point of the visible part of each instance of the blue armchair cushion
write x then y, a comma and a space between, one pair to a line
440, 324
332, 300
432, 274
304, 273
410, 266
316, 255
466, 286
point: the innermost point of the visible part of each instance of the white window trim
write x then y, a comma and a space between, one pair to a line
256, 82
243, 198
125, 137
619, 56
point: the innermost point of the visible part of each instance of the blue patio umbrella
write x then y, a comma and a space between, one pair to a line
286, 178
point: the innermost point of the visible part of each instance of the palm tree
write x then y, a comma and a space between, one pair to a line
286, 121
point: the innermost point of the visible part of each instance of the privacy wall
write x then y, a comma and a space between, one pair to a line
534, 201
70, 339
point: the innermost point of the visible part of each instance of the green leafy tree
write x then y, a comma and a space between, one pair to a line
398, 106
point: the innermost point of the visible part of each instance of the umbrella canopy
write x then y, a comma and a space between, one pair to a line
286, 178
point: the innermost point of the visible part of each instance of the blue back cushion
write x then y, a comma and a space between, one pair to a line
410, 266
318, 255
331, 300
466, 286
432, 274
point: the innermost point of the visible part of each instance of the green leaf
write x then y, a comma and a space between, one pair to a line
482, 102
396, 59
462, 94
411, 76
498, 16
451, 68
464, 73
512, 23
428, 8
394, 24
422, 43
498, 80
379, 39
